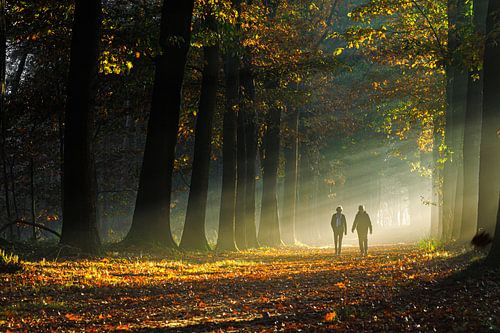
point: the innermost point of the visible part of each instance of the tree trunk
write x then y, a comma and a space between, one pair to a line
151, 221
79, 210
304, 197
437, 188
241, 156
32, 197
193, 236
226, 240
455, 117
269, 229
19, 73
489, 158
3, 115
291, 172
248, 103
472, 135
493, 258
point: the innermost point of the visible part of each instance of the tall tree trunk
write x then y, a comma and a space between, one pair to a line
241, 157
248, 103
472, 135
151, 221
3, 115
79, 210
291, 153
455, 117
193, 236
61, 154
493, 258
459, 107
269, 229
304, 197
489, 160
226, 240
16, 82
437, 188
32, 196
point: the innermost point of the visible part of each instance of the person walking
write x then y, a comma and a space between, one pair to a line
339, 226
362, 224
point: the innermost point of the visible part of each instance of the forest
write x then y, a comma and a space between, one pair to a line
215, 165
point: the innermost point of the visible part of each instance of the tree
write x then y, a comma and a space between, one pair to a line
472, 132
489, 158
241, 171
269, 228
456, 92
151, 221
193, 236
291, 154
251, 136
3, 116
226, 240
79, 201
493, 258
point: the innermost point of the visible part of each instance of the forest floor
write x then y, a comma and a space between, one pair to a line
394, 288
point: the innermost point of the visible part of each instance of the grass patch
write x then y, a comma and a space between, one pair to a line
431, 245
9, 263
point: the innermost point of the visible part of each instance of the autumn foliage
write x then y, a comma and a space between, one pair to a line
400, 288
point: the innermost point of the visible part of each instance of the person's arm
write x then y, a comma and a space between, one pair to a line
355, 223
332, 221
369, 223
344, 223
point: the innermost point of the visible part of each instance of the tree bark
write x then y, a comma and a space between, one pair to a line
455, 117
269, 229
489, 158
241, 157
493, 258
151, 221
16, 82
32, 196
79, 209
472, 135
304, 197
291, 155
437, 188
248, 103
193, 236
3, 114
226, 240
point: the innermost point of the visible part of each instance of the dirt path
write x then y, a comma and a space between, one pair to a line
398, 288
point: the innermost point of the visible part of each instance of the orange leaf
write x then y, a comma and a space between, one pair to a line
331, 316
123, 327
71, 316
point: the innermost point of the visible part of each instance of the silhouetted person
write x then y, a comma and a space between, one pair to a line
339, 226
362, 224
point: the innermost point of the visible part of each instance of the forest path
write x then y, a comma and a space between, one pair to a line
394, 288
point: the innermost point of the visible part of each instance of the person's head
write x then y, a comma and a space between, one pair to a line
361, 208
339, 209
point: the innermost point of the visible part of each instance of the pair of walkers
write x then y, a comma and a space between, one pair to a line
362, 224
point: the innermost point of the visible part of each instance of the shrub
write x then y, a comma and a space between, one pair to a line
431, 245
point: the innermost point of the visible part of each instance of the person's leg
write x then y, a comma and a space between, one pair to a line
340, 241
366, 244
360, 240
335, 241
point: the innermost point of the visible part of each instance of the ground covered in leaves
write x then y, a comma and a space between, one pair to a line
394, 288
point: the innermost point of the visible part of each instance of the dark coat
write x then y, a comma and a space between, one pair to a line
343, 223
362, 223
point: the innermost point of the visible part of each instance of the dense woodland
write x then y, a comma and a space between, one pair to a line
218, 124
